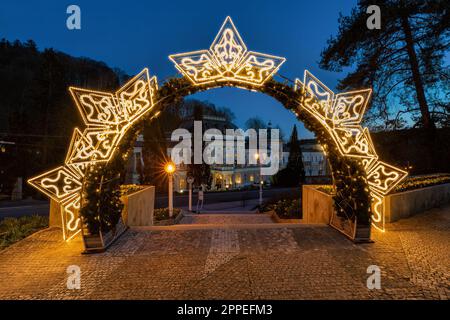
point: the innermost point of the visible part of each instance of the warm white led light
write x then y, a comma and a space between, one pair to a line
227, 60
107, 117
341, 115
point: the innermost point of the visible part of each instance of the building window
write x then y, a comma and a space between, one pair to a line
182, 184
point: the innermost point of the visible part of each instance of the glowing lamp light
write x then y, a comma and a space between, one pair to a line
169, 168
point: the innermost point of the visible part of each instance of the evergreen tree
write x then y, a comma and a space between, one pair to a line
294, 173
200, 172
255, 123
295, 160
403, 61
37, 112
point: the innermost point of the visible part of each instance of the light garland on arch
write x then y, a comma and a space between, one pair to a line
107, 118
341, 115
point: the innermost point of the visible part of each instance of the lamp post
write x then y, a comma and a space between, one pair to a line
170, 169
257, 157
190, 180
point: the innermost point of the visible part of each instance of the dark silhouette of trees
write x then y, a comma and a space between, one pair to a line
294, 173
255, 123
403, 61
200, 172
36, 110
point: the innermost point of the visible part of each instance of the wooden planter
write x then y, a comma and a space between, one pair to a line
137, 211
138, 207
351, 229
318, 207
100, 242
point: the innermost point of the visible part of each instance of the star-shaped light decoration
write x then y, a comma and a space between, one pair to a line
341, 115
227, 60
107, 117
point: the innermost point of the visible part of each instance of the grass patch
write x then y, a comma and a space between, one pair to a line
15, 229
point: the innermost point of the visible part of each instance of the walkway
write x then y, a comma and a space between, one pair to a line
233, 218
264, 261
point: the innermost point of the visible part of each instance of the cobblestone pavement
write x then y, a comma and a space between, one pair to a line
249, 262
244, 218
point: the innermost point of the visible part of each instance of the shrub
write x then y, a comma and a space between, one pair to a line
326, 188
15, 229
286, 206
418, 182
127, 189
410, 183
163, 213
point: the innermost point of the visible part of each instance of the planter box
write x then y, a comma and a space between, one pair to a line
405, 204
94, 243
317, 206
139, 207
137, 211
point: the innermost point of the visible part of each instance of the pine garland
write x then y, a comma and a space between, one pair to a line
102, 207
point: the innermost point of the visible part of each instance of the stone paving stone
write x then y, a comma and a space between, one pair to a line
224, 247
279, 262
226, 219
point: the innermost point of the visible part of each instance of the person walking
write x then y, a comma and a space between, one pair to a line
200, 199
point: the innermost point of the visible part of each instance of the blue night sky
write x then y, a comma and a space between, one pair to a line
132, 35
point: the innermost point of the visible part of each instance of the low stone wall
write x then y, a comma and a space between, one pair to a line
139, 207
405, 204
317, 206
137, 211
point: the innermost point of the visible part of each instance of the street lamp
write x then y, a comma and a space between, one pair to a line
170, 169
260, 179
190, 180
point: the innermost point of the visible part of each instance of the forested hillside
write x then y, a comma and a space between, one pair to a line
37, 113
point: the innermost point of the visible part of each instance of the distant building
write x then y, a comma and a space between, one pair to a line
234, 176
224, 176
314, 159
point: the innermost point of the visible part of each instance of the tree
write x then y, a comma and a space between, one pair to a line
295, 161
153, 154
37, 112
403, 61
294, 173
200, 172
255, 123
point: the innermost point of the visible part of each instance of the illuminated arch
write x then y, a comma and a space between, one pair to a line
334, 118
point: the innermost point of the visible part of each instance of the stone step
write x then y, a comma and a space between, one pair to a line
226, 218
